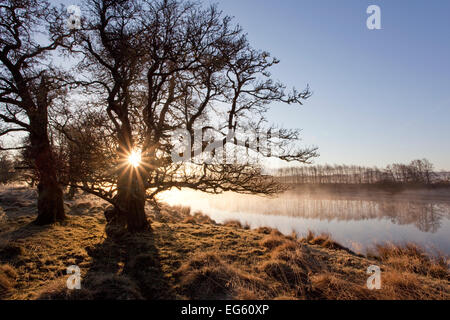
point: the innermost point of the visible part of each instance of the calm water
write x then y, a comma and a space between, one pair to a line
356, 221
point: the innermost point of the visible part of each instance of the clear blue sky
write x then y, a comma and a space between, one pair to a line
380, 96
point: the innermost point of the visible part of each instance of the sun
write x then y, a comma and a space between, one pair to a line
134, 158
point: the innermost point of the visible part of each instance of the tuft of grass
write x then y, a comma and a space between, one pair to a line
264, 230
413, 259
202, 218
9, 271
207, 276
324, 240
182, 210
190, 219
198, 218
168, 214
296, 254
236, 224
401, 286
309, 236
201, 260
233, 223
288, 274
273, 240
8, 276
327, 286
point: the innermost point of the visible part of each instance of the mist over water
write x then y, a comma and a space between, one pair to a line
356, 220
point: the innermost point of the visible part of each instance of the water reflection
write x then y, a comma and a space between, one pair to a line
356, 220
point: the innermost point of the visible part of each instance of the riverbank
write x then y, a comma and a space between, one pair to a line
191, 257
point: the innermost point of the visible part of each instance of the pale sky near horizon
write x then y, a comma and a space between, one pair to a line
380, 96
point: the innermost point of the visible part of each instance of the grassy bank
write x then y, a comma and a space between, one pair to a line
190, 257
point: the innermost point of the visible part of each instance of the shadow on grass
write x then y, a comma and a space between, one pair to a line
127, 268
24, 228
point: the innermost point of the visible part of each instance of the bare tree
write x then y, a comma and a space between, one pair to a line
28, 87
158, 67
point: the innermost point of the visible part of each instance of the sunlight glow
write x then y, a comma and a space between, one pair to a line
134, 158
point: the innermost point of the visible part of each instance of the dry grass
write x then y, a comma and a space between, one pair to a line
190, 257
107, 286
413, 259
403, 286
273, 240
178, 214
324, 240
101, 286
8, 276
198, 218
331, 287
292, 278
264, 230
57, 290
395, 285
207, 276
298, 255
236, 224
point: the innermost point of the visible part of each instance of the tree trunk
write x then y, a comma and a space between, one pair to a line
50, 194
50, 203
131, 200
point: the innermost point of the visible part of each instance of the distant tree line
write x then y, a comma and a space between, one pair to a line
416, 172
